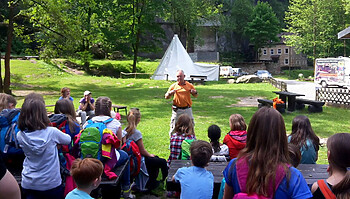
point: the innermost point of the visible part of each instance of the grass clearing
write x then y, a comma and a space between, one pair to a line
214, 104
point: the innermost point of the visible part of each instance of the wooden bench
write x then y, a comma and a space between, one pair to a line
108, 188
311, 173
265, 102
314, 106
118, 107
198, 78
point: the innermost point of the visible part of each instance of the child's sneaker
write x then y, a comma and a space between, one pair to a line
127, 194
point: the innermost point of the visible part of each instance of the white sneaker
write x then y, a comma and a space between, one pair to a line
127, 194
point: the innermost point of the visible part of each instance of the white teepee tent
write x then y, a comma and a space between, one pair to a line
176, 58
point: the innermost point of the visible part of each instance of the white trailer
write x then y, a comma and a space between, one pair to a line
333, 71
226, 71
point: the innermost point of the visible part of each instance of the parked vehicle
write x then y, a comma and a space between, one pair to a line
226, 71
263, 74
238, 72
332, 71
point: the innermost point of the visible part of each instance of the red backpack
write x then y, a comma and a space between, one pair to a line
133, 151
242, 170
325, 189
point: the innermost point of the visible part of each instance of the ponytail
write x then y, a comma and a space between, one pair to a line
133, 119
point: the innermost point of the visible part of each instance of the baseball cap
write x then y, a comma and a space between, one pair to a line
87, 92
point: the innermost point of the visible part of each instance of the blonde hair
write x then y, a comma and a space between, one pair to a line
237, 123
133, 119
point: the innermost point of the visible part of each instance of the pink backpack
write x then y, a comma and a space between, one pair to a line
242, 170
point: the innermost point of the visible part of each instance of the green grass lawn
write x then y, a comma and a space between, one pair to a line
214, 104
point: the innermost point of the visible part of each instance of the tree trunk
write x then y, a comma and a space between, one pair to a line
1, 86
8, 51
136, 46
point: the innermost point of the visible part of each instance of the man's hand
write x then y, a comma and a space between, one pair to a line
169, 94
193, 91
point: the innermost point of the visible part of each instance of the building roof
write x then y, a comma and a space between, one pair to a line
344, 34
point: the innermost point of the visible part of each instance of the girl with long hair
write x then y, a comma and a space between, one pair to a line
183, 131
305, 139
265, 161
236, 138
65, 94
339, 167
153, 162
41, 176
66, 107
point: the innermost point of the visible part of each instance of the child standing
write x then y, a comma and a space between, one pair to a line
305, 139
65, 106
339, 167
236, 138
220, 151
41, 176
183, 131
87, 175
196, 181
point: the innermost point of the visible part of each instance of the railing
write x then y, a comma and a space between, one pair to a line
334, 96
278, 84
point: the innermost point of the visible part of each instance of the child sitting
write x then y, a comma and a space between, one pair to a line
87, 175
183, 131
236, 138
339, 168
305, 139
220, 151
196, 181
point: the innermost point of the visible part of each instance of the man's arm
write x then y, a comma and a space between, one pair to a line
169, 94
92, 105
194, 92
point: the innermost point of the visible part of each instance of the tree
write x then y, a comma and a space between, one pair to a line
264, 27
314, 25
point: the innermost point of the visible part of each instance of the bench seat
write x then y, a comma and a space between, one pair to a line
198, 78
314, 106
118, 107
265, 102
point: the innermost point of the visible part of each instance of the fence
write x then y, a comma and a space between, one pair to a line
334, 96
134, 75
278, 84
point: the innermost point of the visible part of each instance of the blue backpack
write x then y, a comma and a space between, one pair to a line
8, 133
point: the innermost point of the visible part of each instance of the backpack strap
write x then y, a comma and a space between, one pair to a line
325, 189
107, 120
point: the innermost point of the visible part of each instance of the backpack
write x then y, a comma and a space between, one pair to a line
185, 149
325, 189
8, 134
242, 170
60, 122
131, 148
89, 139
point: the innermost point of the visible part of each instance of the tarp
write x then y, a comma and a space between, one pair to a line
176, 58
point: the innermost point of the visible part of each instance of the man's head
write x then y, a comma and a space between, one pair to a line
201, 153
180, 76
87, 94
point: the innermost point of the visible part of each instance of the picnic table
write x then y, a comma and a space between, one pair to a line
311, 173
288, 96
198, 78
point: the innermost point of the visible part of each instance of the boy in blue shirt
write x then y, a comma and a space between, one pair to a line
196, 181
87, 176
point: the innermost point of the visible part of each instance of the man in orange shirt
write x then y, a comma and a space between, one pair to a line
182, 102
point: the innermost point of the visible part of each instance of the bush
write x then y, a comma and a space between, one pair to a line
294, 74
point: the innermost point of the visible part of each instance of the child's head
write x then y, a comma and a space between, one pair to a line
103, 106
339, 158
65, 92
184, 125
201, 153
266, 137
294, 155
33, 115
35, 96
65, 106
7, 101
133, 118
214, 133
87, 172
301, 131
237, 123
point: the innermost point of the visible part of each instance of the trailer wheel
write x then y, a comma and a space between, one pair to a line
324, 84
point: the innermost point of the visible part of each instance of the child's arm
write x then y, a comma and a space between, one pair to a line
173, 178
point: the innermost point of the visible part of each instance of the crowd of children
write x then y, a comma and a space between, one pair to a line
249, 172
